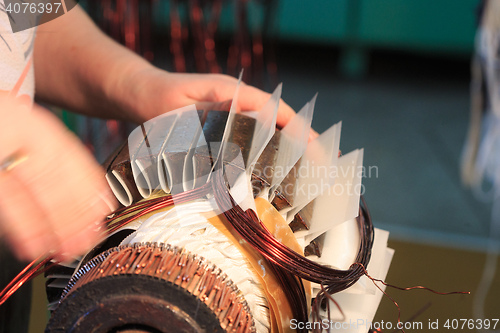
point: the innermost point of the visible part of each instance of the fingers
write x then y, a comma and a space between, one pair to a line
249, 99
254, 99
214, 106
219, 88
55, 197
22, 220
69, 185
313, 135
208, 92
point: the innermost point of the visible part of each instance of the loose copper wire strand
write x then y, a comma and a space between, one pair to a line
410, 288
197, 27
412, 318
30, 271
137, 206
315, 313
268, 42
210, 39
334, 302
404, 289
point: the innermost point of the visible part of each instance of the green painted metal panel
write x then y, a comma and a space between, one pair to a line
435, 25
313, 20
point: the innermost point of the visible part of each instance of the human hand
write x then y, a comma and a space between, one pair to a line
54, 196
97, 77
156, 92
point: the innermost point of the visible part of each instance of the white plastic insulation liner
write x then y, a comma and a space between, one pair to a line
359, 309
340, 246
185, 227
190, 178
376, 263
201, 177
241, 189
265, 127
293, 143
238, 183
187, 129
228, 129
341, 202
340, 249
145, 145
362, 299
119, 189
316, 172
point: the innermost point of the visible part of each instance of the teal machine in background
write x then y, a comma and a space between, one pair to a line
445, 27
426, 26
429, 26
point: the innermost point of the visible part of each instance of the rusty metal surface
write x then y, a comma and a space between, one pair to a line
315, 247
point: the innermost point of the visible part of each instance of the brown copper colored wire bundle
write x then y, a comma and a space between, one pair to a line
162, 264
248, 225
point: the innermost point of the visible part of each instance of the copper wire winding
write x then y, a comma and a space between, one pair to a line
289, 266
251, 229
151, 205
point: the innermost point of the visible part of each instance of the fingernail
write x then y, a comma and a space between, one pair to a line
313, 136
112, 207
98, 228
105, 209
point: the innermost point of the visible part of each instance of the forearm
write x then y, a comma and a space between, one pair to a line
80, 68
